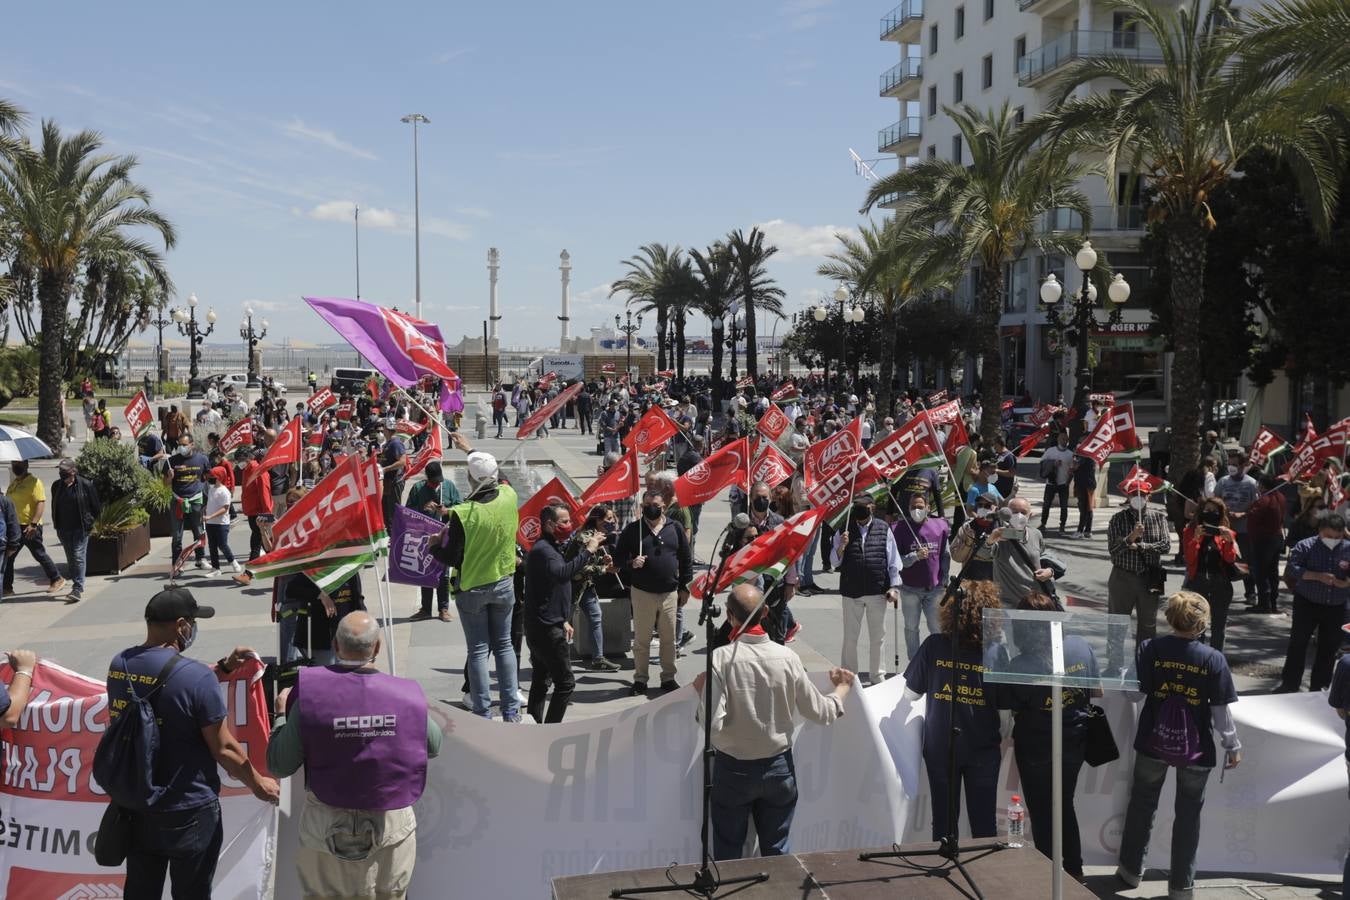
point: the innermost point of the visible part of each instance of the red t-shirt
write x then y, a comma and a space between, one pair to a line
256, 498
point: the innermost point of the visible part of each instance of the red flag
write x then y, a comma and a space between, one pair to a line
619, 482
552, 494
1115, 433
609, 368
545, 412
1266, 445
666, 373
1309, 432
411, 429
1140, 481
139, 418
1043, 414
745, 381
651, 431
705, 481
183, 557
786, 391
774, 422
937, 397
771, 465
432, 450
826, 458
910, 444
1107, 397
239, 433
949, 413
285, 450
320, 400
1031, 441
315, 438
775, 549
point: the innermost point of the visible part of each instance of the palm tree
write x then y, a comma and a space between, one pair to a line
11, 120
681, 287
1300, 39
757, 290
1184, 125
717, 290
988, 213
643, 285
866, 267
70, 204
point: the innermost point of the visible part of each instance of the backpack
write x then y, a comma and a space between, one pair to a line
124, 763
1175, 739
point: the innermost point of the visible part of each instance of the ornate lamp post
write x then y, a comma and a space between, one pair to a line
629, 326
847, 316
737, 328
251, 338
1073, 319
188, 327
159, 322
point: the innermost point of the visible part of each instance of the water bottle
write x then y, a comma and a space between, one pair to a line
1017, 815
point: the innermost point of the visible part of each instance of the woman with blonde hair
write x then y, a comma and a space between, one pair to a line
931, 674
1187, 688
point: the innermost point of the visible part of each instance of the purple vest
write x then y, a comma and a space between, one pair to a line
365, 737
933, 532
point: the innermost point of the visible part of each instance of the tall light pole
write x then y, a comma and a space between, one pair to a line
846, 316
415, 119
188, 327
494, 264
1076, 322
160, 320
251, 337
629, 329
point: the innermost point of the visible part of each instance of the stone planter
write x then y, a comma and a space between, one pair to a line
161, 523
112, 555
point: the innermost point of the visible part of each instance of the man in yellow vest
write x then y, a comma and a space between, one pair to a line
479, 544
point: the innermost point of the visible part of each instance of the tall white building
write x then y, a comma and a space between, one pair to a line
987, 53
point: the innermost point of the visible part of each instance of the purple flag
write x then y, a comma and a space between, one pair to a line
410, 559
402, 348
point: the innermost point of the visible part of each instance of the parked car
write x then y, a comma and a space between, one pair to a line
239, 381
353, 380
1227, 415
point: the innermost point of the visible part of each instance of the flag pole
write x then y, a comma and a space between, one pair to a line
942, 456
381, 585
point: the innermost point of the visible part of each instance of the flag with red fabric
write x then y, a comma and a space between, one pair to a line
545, 412
937, 397
914, 443
725, 467
1114, 436
315, 438
619, 482
949, 414
432, 451
1138, 480
826, 458
555, 493
786, 391
770, 465
745, 381
1043, 414
770, 554
1033, 440
320, 400
239, 433
285, 450
774, 422
609, 368
666, 373
346, 409
1266, 446
651, 431
138, 415
409, 428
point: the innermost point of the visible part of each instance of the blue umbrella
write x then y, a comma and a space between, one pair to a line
16, 443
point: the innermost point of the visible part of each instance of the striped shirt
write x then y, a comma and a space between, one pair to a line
1145, 553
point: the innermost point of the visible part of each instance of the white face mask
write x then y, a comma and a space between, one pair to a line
1018, 520
1139, 503
1233, 471
1331, 543
918, 515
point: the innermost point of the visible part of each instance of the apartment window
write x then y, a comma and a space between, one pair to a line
1124, 32
960, 22
1019, 51
1019, 115
932, 40
958, 87
932, 151
956, 148
988, 10
987, 72
932, 100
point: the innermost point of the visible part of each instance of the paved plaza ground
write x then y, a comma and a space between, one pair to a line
85, 637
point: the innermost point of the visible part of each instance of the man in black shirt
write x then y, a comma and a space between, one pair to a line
653, 554
548, 611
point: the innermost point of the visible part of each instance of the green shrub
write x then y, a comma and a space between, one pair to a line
119, 517
114, 468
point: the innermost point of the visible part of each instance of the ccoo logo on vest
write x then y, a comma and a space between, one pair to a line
370, 726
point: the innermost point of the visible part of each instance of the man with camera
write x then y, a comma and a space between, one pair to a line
1017, 555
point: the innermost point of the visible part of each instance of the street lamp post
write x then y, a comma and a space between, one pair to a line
847, 316
415, 119
251, 338
188, 327
1074, 319
159, 322
629, 327
737, 325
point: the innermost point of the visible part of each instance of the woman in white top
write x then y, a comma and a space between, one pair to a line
216, 517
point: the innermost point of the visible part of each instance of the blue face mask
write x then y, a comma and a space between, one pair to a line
190, 639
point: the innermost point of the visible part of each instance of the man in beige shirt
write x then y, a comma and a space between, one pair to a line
759, 688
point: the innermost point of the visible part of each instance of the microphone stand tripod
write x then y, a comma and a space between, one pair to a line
949, 847
706, 881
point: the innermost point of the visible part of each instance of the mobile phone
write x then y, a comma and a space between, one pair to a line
1210, 529
1014, 534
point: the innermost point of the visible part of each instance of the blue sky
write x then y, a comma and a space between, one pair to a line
595, 126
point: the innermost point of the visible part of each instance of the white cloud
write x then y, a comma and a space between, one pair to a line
803, 241
299, 130
450, 55
595, 297
386, 219
804, 14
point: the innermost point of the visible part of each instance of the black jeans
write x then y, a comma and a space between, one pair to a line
1245, 548
33, 543
550, 659
1034, 765
1218, 590
978, 772
442, 592
1085, 509
184, 844
1326, 621
1053, 491
1265, 563
255, 547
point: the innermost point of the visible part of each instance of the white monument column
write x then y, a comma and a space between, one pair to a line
566, 269
494, 263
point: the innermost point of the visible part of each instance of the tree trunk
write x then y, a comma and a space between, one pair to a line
751, 356
662, 323
679, 344
991, 377
52, 302
887, 362
1186, 259
717, 369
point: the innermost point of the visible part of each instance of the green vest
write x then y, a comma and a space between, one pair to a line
489, 539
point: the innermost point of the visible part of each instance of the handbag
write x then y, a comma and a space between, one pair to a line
1099, 747
113, 841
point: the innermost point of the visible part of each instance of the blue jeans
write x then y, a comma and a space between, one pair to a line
762, 789
218, 539
184, 844
1149, 774
75, 543
485, 614
590, 604
806, 576
914, 601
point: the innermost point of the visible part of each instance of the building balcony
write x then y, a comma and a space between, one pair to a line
902, 23
1046, 7
1105, 219
892, 201
896, 138
1041, 63
902, 80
